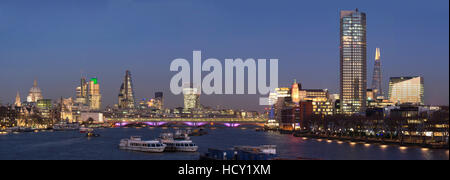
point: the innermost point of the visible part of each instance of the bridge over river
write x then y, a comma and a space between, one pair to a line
231, 122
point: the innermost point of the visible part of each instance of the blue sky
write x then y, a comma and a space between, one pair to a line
55, 41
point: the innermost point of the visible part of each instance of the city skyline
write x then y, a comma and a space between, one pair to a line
400, 54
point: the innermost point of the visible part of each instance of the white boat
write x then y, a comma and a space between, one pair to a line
181, 146
181, 135
264, 149
177, 145
64, 126
135, 143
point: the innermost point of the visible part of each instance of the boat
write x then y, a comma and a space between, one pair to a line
92, 134
181, 146
177, 145
181, 135
198, 132
264, 152
85, 130
266, 149
135, 143
64, 126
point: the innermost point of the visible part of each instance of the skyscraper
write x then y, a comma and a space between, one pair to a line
377, 78
126, 95
191, 97
406, 90
94, 95
159, 100
82, 92
35, 93
353, 78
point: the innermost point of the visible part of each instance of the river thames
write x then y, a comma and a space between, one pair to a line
71, 145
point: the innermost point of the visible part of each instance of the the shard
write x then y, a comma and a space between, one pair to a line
376, 79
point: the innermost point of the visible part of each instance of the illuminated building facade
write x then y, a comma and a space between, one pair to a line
126, 95
35, 93
82, 92
66, 110
279, 93
191, 98
44, 107
94, 95
295, 92
44, 104
353, 46
371, 95
317, 93
296, 116
406, 90
321, 103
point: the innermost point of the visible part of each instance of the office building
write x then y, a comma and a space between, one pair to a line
126, 95
353, 70
94, 95
406, 90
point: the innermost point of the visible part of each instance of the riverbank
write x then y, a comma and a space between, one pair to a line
365, 140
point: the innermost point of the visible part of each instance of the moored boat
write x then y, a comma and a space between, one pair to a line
265, 152
135, 143
85, 130
177, 145
64, 126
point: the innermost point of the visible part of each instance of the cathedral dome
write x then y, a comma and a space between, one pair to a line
35, 93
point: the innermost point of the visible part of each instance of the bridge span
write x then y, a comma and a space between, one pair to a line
219, 120
229, 122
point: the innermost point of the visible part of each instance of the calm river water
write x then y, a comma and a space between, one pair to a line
73, 145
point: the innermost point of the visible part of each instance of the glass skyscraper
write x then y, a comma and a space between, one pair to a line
126, 95
94, 95
377, 78
353, 70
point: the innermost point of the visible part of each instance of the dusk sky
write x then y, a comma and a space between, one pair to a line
57, 41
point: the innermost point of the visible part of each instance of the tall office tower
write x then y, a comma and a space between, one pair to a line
94, 95
126, 95
82, 92
159, 100
353, 78
191, 98
18, 103
406, 90
35, 93
377, 78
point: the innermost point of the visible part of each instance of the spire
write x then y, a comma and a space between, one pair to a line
18, 103
377, 54
35, 83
